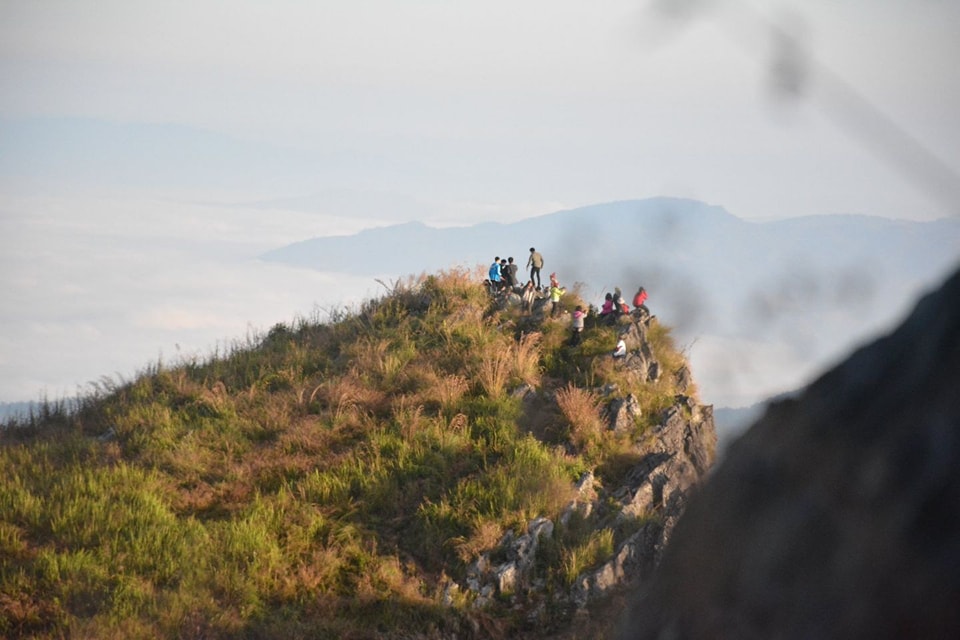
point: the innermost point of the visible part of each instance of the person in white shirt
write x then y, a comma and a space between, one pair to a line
621, 349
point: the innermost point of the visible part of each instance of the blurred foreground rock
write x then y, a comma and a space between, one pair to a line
838, 514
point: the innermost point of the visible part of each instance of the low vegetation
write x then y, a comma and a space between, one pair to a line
325, 480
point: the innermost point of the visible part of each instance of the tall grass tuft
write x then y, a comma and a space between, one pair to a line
579, 558
581, 408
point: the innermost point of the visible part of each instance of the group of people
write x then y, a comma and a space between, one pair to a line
503, 272
615, 306
502, 277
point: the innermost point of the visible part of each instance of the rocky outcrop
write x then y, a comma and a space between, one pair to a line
639, 360
486, 578
837, 515
655, 491
673, 456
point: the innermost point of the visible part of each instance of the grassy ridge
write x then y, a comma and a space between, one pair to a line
327, 480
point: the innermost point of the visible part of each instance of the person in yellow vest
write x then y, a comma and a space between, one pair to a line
556, 292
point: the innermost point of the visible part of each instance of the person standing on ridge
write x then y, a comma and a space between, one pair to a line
556, 292
494, 275
535, 263
578, 317
512, 273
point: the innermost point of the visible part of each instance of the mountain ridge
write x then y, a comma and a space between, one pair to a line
436, 464
794, 293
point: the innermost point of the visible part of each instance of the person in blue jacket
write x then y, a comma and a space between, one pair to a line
494, 275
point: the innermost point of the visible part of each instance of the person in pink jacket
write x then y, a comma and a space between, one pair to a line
578, 316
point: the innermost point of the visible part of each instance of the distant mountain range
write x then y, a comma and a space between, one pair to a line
812, 286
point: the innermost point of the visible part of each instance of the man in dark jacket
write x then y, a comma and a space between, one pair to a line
512, 273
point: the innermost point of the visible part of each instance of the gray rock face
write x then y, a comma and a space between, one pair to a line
639, 359
656, 488
673, 459
838, 514
622, 413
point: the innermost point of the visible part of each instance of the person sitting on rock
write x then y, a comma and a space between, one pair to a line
619, 304
529, 295
638, 303
621, 350
607, 312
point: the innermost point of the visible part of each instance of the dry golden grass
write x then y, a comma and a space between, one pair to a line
494, 371
526, 354
345, 397
381, 357
581, 408
506, 362
485, 536
450, 389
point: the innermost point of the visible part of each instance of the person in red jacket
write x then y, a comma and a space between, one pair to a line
638, 302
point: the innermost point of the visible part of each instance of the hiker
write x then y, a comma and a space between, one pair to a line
512, 273
621, 350
529, 294
619, 304
494, 275
638, 303
535, 263
578, 315
556, 292
504, 275
606, 311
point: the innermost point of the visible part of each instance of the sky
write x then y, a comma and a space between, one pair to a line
149, 152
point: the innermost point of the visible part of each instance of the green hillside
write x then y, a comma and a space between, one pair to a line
329, 479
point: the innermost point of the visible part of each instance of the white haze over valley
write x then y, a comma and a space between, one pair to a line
150, 152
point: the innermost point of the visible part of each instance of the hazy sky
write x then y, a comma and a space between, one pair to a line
557, 102
134, 136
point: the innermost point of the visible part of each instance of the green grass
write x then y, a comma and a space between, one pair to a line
326, 479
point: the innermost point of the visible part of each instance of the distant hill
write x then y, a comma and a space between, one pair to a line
802, 289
